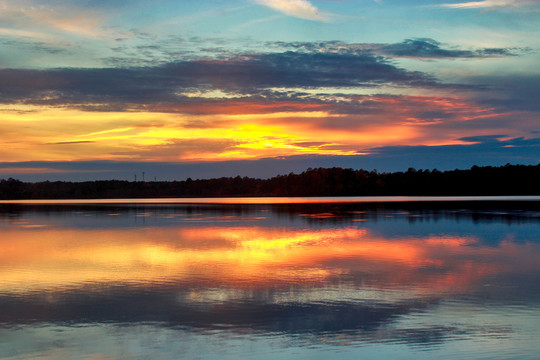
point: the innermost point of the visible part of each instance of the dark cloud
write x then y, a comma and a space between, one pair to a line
174, 48
483, 139
420, 48
514, 92
165, 83
424, 48
139, 82
499, 140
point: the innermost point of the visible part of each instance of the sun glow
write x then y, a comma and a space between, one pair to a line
68, 134
233, 129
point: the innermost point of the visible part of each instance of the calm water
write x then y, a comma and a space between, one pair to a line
445, 280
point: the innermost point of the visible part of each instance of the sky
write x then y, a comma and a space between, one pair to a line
97, 90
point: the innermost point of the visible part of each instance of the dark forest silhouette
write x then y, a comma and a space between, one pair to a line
488, 180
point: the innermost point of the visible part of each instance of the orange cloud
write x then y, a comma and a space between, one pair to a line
241, 128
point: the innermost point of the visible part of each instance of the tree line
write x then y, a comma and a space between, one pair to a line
486, 180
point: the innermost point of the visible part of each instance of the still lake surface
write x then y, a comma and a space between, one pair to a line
456, 278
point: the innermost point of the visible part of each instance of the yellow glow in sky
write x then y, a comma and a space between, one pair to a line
234, 131
32, 133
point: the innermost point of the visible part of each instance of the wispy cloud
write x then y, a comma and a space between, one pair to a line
298, 8
487, 4
46, 18
418, 48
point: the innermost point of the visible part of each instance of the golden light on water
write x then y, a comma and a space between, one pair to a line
47, 258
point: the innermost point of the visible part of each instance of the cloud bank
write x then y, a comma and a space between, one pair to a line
247, 75
307, 65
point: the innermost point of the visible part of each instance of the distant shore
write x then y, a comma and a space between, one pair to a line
424, 201
505, 180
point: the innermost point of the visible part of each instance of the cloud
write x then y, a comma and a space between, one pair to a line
71, 142
298, 8
418, 48
488, 4
56, 16
35, 46
425, 48
247, 75
515, 92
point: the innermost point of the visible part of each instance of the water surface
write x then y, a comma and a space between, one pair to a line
407, 280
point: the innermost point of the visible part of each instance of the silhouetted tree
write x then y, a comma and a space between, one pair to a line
504, 180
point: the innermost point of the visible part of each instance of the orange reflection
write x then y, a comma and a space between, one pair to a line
43, 258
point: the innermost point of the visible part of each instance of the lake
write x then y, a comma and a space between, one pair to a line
350, 278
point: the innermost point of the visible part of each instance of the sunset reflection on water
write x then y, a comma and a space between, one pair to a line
262, 270
246, 257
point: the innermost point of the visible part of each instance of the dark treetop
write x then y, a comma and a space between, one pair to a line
504, 180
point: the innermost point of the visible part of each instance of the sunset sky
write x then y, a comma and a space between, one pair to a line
94, 89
